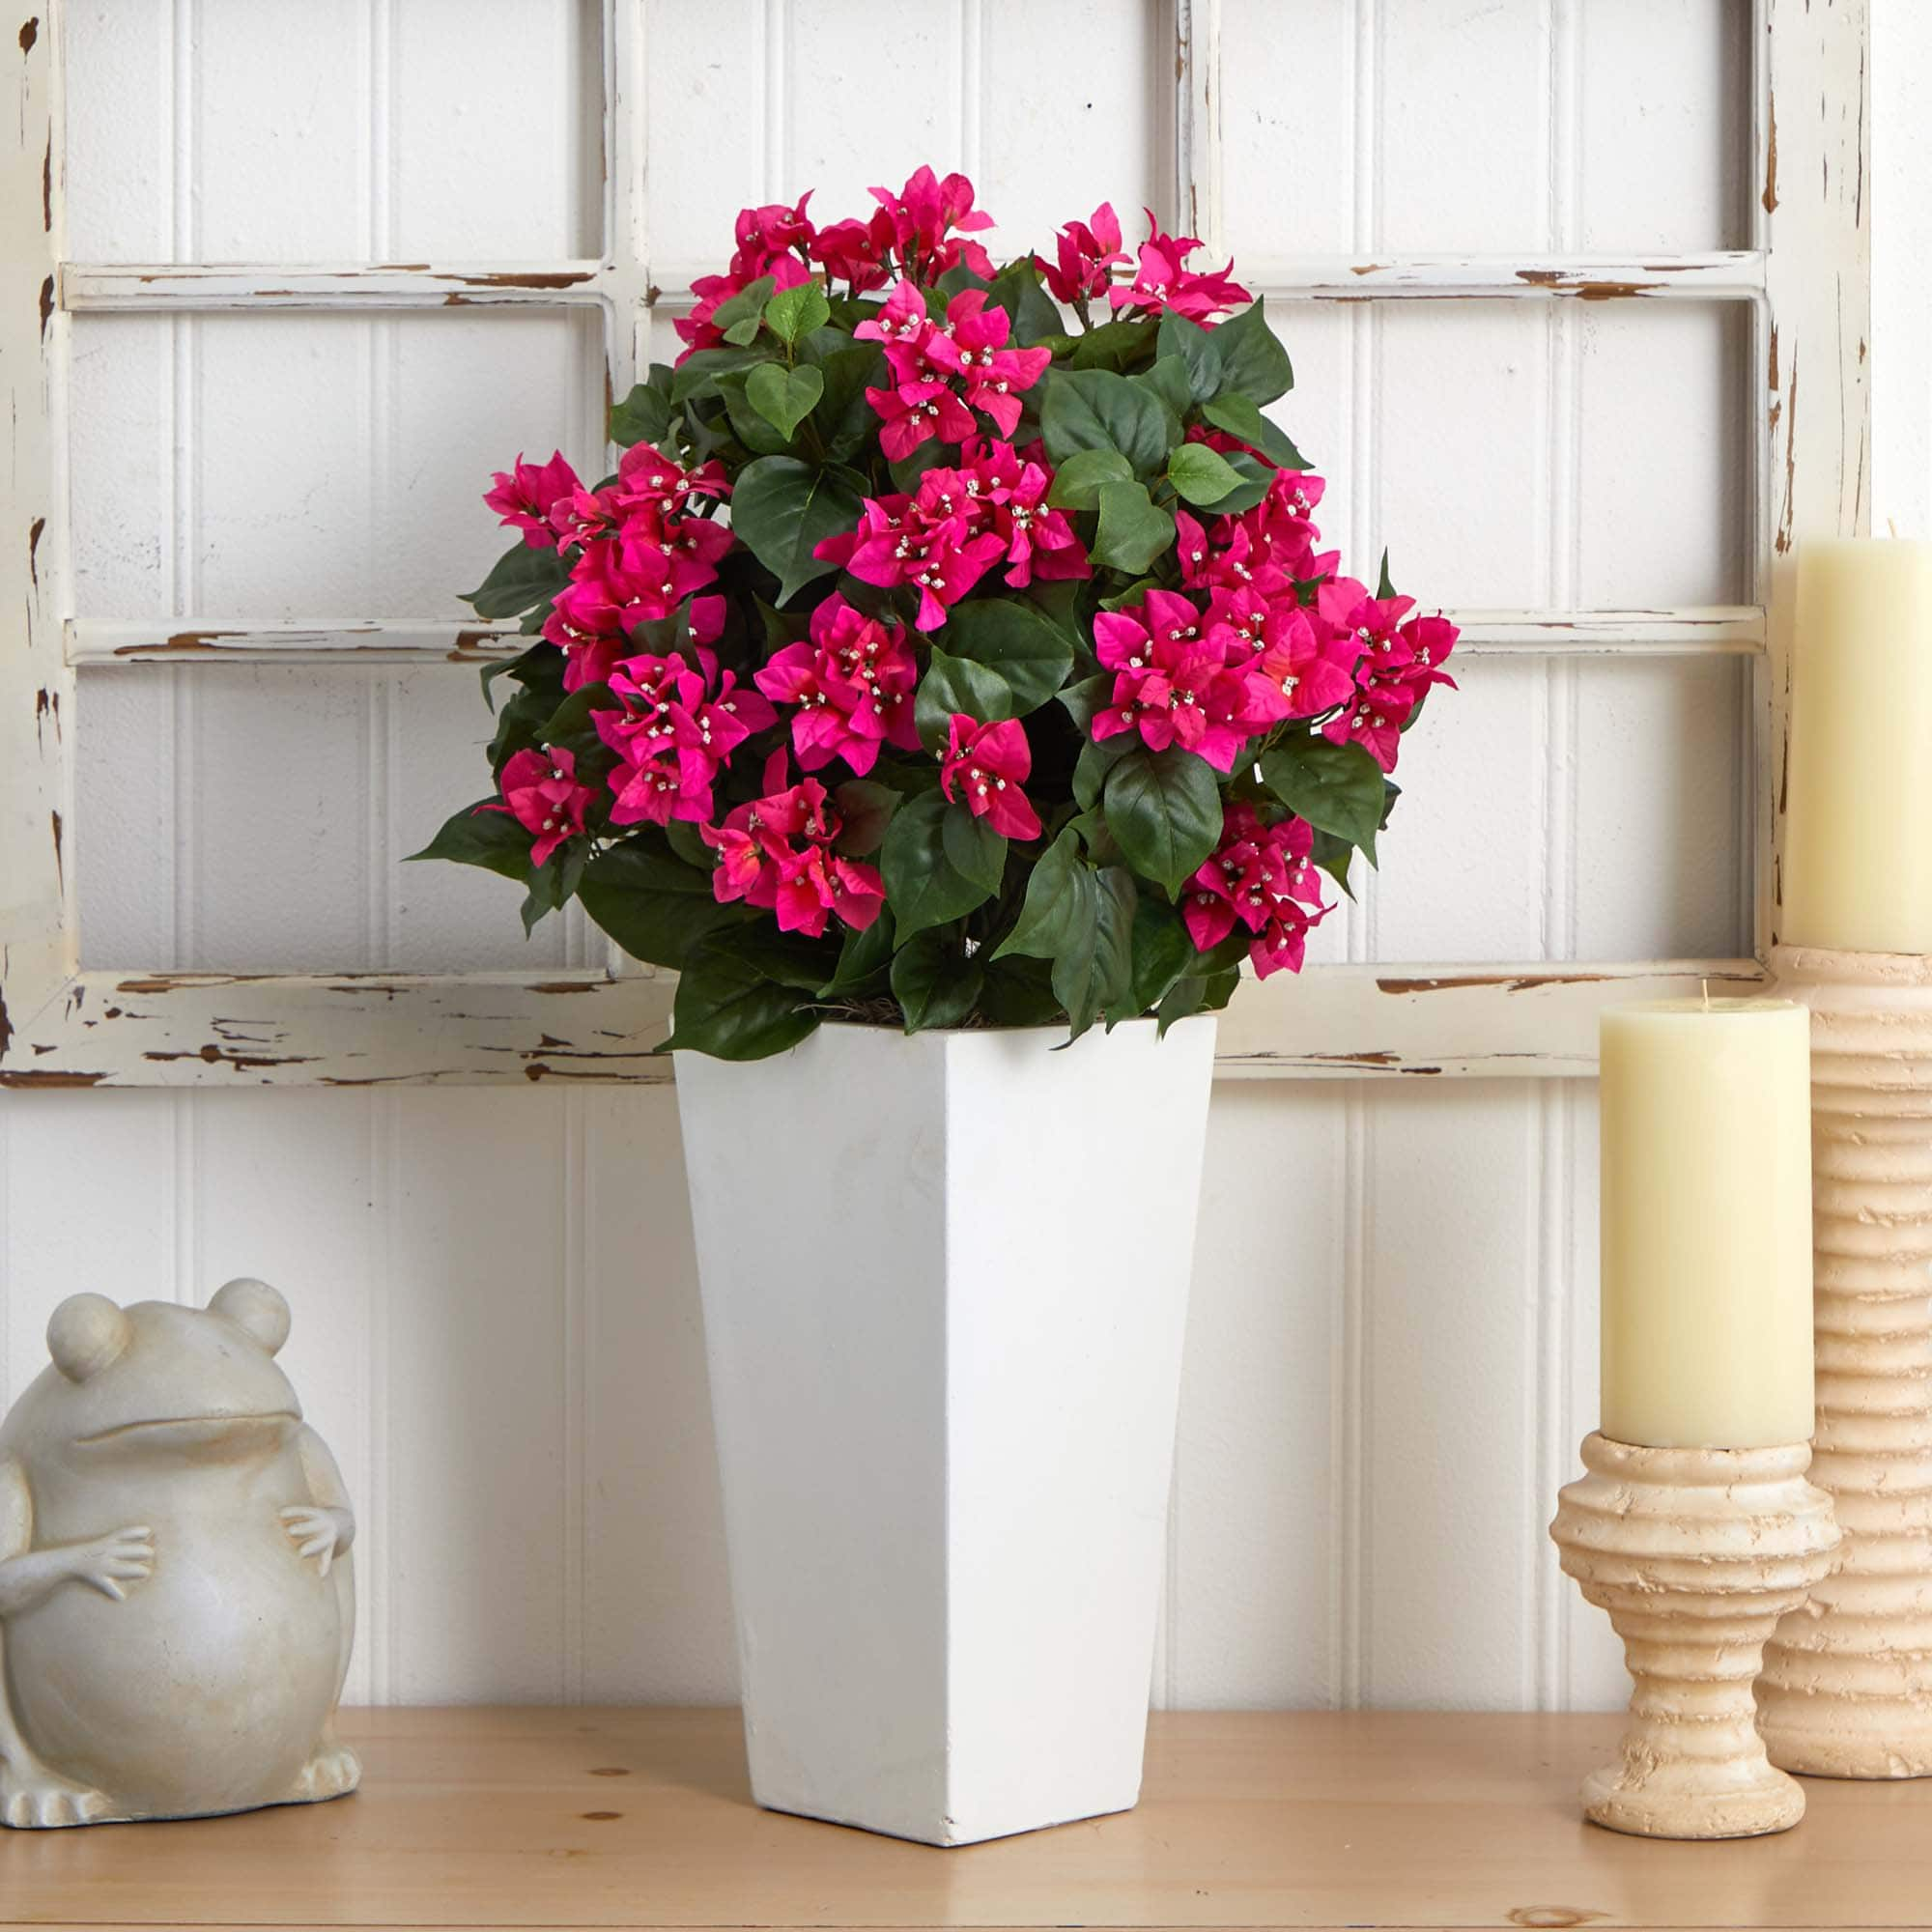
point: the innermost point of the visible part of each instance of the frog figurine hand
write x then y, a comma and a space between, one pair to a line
177, 1603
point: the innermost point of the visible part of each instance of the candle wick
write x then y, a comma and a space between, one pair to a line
1891, 524
1706, 985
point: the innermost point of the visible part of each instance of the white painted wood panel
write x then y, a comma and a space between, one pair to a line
1392, 1350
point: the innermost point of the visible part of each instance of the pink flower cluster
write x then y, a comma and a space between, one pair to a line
540, 791
983, 767
1263, 877
852, 684
919, 231
926, 358
677, 732
1087, 252
956, 525
776, 853
641, 548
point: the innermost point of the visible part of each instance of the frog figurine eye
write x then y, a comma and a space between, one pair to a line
86, 1333
254, 1307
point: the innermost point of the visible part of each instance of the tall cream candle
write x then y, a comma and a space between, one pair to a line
1858, 847
1707, 1224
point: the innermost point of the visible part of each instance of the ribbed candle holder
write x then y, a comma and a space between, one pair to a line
1847, 1684
1695, 1553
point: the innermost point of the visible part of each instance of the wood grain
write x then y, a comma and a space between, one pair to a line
536, 1817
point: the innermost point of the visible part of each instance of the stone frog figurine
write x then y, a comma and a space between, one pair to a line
176, 1597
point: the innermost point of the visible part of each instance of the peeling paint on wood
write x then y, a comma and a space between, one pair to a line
30, 32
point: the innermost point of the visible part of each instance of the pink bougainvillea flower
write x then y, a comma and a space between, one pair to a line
1263, 877
973, 346
924, 214
759, 863
1162, 282
1171, 683
902, 319
856, 252
649, 479
852, 684
983, 767
1303, 667
696, 330
526, 494
914, 413
1087, 252
1374, 720
540, 791
1424, 643
916, 540
1279, 531
766, 235
1039, 542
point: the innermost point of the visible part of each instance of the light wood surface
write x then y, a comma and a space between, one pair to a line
533, 1817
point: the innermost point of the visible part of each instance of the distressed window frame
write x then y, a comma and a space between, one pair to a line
1804, 279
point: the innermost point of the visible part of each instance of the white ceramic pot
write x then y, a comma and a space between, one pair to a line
945, 1286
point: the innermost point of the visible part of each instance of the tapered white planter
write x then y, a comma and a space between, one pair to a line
945, 1286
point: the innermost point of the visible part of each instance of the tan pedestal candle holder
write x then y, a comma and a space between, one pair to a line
1695, 1553
1847, 1685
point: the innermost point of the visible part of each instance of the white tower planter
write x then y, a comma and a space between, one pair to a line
945, 1286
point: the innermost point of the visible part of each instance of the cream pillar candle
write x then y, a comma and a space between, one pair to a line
1858, 847
1707, 1224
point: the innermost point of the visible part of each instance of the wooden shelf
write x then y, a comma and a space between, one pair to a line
528, 1817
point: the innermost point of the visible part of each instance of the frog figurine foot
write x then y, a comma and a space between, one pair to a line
177, 1601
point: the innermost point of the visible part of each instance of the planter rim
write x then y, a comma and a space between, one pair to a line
854, 1028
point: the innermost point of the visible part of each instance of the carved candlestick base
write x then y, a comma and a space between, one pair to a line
1847, 1684
1695, 1553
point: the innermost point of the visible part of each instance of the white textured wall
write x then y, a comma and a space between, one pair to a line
1392, 1352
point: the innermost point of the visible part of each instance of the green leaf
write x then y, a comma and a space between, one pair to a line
956, 684
934, 982
741, 317
1092, 975
1255, 477
653, 905
726, 1008
1253, 362
844, 417
750, 428
1016, 639
780, 508
784, 397
1076, 483
1019, 992
922, 885
1241, 419
1163, 954
1182, 1001
523, 578
696, 376
644, 416
1385, 588
1337, 788
972, 848
1057, 903
491, 840
1086, 697
1133, 529
1200, 475
1114, 345
785, 958
1017, 289
688, 842
1170, 381
1195, 346
1334, 856
862, 957
1165, 810
864, 809
1093, 409
1097, 758
797, 311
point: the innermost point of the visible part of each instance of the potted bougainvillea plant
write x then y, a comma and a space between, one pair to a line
952, 656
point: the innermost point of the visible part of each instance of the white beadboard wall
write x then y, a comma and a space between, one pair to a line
1392, 1352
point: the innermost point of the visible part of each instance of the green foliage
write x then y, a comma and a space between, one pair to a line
1337, 788
1016, 640
726, 1006
524, 577
793, 313
781, 508
1253, 362
1133, 529
1164, 807
922, 885
1093, 409
784, 397
1200, 475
